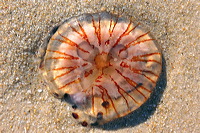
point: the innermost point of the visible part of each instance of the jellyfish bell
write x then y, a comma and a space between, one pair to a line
105, 63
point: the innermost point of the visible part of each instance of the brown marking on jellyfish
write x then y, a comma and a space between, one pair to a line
146, 55
83, 34
99, 77
145, 89
126, 32
86, 74
115, 23
107, 42
60, 68
69, 42
105, 104
75, 115
111, 29
113, 105
97, 30
85, 64
125, 65
127, 93
133, 83
84, 124
72, 82
146, 40
133, 44
62, 53
118, 89
130, 96
63, 74
56, 58
138, 58
140, 72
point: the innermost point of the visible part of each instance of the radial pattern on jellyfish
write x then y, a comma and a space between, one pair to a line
106, 65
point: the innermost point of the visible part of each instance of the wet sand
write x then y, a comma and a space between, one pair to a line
26, 105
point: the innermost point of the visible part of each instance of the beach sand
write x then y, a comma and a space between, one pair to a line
26, 105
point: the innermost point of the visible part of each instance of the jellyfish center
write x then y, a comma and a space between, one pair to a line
101, 61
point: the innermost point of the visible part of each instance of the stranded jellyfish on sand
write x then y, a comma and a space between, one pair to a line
105, 65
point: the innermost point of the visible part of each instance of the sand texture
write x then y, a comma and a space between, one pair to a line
26, 105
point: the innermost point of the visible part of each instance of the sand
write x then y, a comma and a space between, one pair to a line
26, 105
